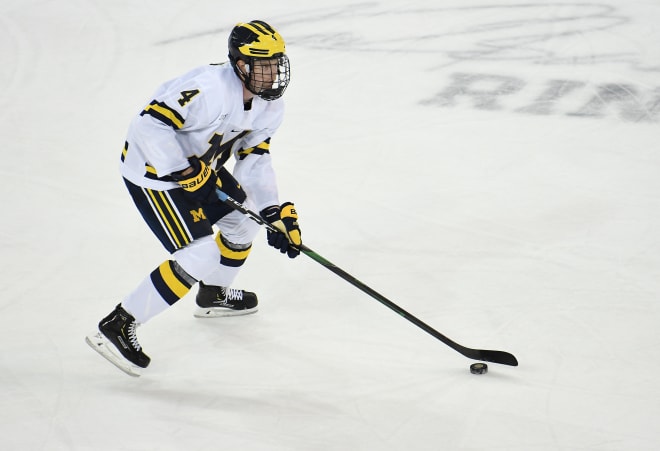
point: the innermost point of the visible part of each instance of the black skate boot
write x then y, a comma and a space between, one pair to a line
214, 301
116, 339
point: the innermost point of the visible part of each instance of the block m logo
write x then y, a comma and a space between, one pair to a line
198, 214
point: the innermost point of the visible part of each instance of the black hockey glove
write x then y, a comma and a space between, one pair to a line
285, 219
200, 183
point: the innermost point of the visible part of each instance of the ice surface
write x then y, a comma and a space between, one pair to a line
490, 166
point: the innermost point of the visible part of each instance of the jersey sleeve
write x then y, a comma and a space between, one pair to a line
177, 107
254, 164
257, 177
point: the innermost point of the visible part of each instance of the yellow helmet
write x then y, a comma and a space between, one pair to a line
256, 40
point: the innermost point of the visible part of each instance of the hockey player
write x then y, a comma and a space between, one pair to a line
172, 164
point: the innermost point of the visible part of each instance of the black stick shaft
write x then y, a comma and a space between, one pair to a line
501, 357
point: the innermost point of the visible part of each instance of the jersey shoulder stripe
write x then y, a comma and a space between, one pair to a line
165, 114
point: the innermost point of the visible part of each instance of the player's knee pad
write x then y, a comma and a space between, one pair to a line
238, 228
232, 254
199, 258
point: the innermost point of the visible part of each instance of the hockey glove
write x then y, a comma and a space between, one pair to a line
200, 183
285, 219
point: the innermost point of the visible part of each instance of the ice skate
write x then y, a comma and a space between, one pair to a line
213, 301
117, 342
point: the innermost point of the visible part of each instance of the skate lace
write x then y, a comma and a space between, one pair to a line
132, 337
232, 294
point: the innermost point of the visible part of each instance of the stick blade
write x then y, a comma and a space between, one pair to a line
500, 357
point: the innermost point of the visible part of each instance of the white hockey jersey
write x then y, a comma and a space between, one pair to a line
202, 114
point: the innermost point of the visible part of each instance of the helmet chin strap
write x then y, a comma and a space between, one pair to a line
247, 82
245, 73
245, 76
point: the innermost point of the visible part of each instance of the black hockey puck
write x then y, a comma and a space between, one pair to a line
478, 368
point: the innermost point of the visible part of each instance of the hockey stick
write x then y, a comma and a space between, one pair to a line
486, 355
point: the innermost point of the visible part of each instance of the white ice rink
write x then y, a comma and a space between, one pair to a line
493, 167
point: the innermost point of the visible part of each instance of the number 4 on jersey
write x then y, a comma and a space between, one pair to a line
186, 96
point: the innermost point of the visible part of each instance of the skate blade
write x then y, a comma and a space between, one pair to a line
101, 345
218, 312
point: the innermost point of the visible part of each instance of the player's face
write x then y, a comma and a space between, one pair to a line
264, 74
267, 78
